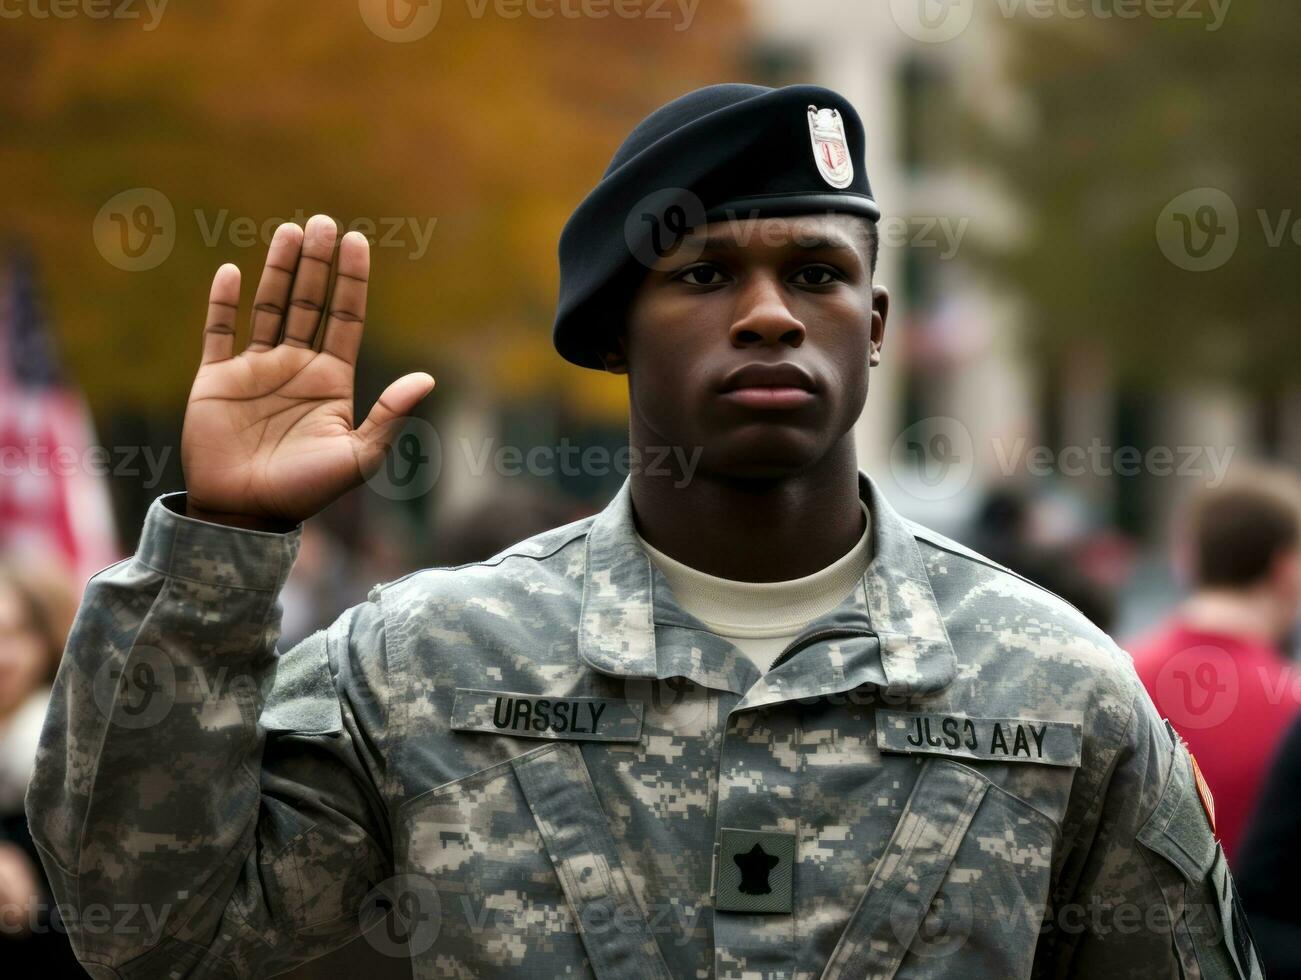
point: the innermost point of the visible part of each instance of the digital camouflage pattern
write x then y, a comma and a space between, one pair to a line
263, 810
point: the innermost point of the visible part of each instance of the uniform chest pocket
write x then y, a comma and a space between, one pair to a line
961, 884
526, 873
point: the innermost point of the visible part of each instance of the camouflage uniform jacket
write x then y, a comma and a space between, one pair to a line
552, 770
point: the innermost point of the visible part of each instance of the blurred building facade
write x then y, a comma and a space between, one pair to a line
961, 406
951, 344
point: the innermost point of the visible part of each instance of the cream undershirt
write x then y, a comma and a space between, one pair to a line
762, 618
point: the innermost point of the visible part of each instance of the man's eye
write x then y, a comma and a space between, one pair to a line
816, 275
701, 275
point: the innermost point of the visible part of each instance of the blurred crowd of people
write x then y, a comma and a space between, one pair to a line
37, 605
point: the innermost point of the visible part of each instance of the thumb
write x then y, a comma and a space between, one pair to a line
389, 412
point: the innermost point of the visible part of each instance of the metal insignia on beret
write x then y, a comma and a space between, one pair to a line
831, 147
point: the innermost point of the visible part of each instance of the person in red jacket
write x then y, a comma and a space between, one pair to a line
1217, 667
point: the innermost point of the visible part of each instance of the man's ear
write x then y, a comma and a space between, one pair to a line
880, 312
616, 360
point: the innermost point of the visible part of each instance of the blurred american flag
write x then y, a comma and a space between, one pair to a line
53, 494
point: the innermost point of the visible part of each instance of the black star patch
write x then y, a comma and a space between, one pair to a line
755, 871
755, 865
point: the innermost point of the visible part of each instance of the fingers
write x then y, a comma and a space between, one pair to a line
272, 297
343, 326
223, 304
385, 419
311, 281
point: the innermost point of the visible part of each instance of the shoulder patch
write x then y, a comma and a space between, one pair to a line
1203, 788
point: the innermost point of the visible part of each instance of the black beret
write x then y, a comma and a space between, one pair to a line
722, 152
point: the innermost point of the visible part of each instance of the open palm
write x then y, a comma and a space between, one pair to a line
268, 433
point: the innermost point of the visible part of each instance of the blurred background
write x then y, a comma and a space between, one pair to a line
1091, 235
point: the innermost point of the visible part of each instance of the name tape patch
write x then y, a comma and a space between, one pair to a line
540, 716
1049, 743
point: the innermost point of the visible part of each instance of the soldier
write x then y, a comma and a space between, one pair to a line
747, 722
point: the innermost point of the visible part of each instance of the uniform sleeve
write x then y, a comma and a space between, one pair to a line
1151, 895
204, 808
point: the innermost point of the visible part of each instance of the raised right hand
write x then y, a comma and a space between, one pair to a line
268, 439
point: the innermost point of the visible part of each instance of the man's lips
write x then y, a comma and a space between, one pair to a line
770, 397
769, 386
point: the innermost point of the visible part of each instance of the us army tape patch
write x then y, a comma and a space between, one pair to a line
1050, 743
539, 716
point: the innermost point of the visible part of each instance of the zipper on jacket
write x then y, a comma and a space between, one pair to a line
831, 632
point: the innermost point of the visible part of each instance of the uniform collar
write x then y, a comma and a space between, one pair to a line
894, 609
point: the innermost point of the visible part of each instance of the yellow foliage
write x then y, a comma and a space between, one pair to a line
478, 138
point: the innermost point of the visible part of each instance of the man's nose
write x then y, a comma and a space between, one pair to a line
762, 317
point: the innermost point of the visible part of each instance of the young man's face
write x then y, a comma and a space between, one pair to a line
752, 341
